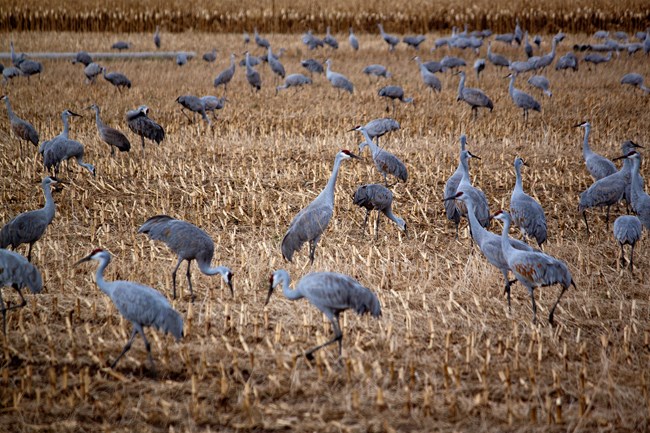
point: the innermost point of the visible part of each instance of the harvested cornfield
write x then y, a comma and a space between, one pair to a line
446, 355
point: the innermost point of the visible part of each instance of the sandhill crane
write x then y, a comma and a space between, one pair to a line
181, 59
379, 127
534, 268
82, 57
275, 64
330, 40
252, 75
567, 61
156, 37
391, 40
475, 98
479, 66
10, 73
110, 136
121, 45
21, 128
141, 305
597, 165
143, 126
189, 243
294, 80
354, 42
627, 231
481, 207
537, 40
28, 227
393, 93
596, 58
63, 150
212, 103
506, 38
414, 41
377, 70
260, 41
428, 78
17, 272
313, 66
522, 99
518, 34
385, 162
451, 210
635, 80
640, 199
210, 56
16, 59
496, 59
601, 34
226, 75
526, 212
117, 79
434, 66
246, 37
194, 104
377, 197
30, 67
310, 223
547, 59
528, 48
626, 147
332, 293
311, 41
450, 62
542, 83
92, 71
489, 243
337, 80
519, 67
65, 116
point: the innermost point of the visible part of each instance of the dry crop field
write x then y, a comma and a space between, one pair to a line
446, 355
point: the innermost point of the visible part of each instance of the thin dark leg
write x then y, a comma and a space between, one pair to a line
338, 336
3, 309
142, 138
126, 348
29, 252
550, 316
189, 279
506, 290
377, 226
532, 298
365, 221
312, 250
584, 216
180, 260
632, 258
607, 218
623, 261
147, 345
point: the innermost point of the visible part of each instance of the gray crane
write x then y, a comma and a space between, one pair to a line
21, 128
528, 48
526, 212
121, 45
537, 40
110, 136
597, 58
275, 64
9, 73
627, 231
434, 66
542, 83
311, 41
414, 41
181, 59
30, 67
385, 162
379, 127
82, 57
338, 81
212, 103
210, 56
640, 199
330, 40
506, 38
377, 70
92, 71
377, 197
141, 305
547, 59
29, 227
518, 34
332, 293
142, 125
156, 37
226, 75
63, 150
567, 61
481, 207
16, 59
393, 93
450, 62
479, 66
497, 59
252, 75
489, 243
519, 67
451, 210
246, 37
428, 78
475, 98
294, 80
189, 243
310, 223
597, 165
522, 99
635, 80
17, 272
391, 40
65, 116
534, 268
354, 42
194, 104
260, 41
601, 34
626, 147
117, 79
313, 66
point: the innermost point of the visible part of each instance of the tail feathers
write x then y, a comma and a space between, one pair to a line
290, 245
153, 224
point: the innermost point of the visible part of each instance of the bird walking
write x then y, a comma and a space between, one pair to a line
475, 98
640, 199
635, 80
526, 212
534, 268
627, 231
294, 80
310, 223
379, 127
212, 103
17, 272
332, 293
385, 162
28, 227
391, 40
65, 117
597, 165
377, 197
542, 83
117, 79
189, 243
338, 81
141, 305
522, 99
21, 128
226, 75
110, 136
394, 93
252, 75
352, 39
140, 124
195, 105
64, 150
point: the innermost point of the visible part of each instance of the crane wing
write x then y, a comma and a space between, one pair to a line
332, 292
309, 224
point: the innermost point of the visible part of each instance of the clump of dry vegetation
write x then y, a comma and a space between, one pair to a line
447, 354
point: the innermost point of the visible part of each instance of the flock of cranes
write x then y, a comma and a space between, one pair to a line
331, 292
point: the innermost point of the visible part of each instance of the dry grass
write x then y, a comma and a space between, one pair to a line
445, 356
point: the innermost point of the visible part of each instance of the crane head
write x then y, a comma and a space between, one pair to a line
92, 256
458, 196
520, 161
272, 284
581, 124
632, 154
501, 215
349, 154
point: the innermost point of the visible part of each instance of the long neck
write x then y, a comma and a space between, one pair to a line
511, 88
553, 47
371, 144
464, 169
328, 192
585, 144
287, 292
65, 125
99, 277
248, 63
636, 178
478, 231
205, 267
49, 207
8, 104
232, 62
391, 216
519, 186
461, 85
100, 124
506, 247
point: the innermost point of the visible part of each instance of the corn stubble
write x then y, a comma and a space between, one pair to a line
446, 355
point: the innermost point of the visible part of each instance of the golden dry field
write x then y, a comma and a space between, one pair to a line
446, 355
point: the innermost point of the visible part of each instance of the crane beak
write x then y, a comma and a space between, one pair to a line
232, 292
453, 197
636, 145
268, 297
473, 156
85, 259
72, 113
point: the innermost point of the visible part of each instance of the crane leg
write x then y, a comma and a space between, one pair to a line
607, 218
113, 151
632, 258
185, 114
377, 226
312, 249
29, 252
550, 316
506, 289
142, 138
189, 279
365, 221
4, 308
532, 298
126, 348
622, 259
338, 337
174, 275
584, 216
